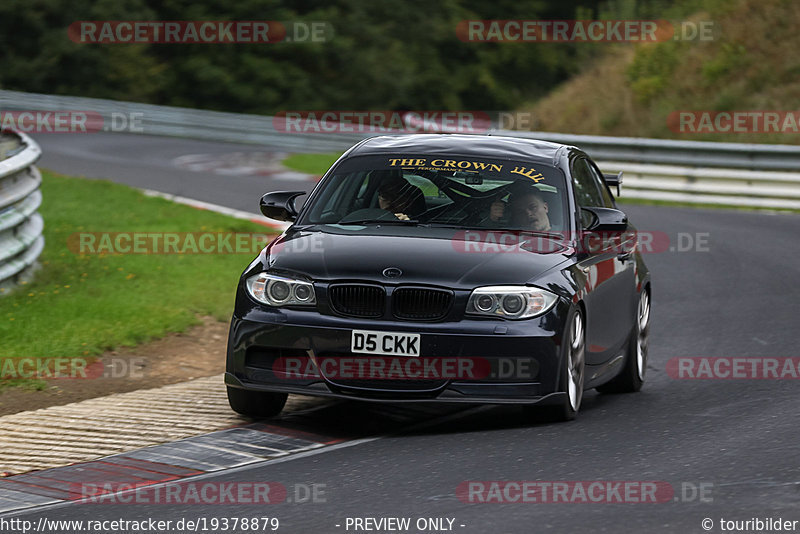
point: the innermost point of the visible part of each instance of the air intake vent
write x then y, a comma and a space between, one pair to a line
421, 304
357, 300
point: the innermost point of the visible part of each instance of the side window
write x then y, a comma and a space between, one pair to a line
587, 194
608, 201
359, 191
428, 188
362, 191
337, 199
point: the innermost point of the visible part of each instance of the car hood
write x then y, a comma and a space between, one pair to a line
444, 257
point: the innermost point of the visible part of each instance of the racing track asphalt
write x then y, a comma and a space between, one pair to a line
147, 162
738, 298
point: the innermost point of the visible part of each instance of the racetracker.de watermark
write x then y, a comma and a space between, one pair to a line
16, 368
733, 122
360, 121
628, 241
374, 367
734, 368
170, 242
204, 493
582, 492
565, 491
583, 31
70, 121
199, 31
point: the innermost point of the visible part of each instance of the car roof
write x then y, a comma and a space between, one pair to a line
491, 146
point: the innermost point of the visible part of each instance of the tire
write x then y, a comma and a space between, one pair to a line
573, 374
631, 378
257, 404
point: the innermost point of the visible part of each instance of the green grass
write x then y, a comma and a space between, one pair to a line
316, 164
81, 305
645, 84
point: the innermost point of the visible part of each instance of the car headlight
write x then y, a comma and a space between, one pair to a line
511, 302
280, 290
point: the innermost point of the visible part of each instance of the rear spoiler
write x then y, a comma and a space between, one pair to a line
613, 180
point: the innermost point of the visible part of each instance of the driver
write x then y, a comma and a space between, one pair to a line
396, 196
527, 210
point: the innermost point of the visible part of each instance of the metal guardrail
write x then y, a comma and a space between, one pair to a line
705, 185
185, 122
21, 239
752, 156
743, 174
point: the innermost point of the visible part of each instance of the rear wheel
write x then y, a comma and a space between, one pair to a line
573, 371
631, 377
256, 403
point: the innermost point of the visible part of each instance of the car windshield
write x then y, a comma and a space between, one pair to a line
459, 191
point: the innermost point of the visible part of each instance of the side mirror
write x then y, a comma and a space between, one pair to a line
603, 220
613, 180
279, 205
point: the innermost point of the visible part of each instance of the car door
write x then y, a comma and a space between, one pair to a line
609, 269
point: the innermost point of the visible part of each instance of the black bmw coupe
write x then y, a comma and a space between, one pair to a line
445, 268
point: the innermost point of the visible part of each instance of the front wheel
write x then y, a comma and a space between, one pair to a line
631, 377
256, 404
573, 371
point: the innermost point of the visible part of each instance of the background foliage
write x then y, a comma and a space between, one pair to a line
387, 54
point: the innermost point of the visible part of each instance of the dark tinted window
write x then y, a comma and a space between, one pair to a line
587, 193
608, 201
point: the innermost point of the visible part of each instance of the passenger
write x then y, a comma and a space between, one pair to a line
527, 210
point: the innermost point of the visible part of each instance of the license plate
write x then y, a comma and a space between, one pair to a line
385, 343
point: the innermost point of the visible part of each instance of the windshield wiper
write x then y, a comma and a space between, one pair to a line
533, 233
364, 222
451, 225
521, 231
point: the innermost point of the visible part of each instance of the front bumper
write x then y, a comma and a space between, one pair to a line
519, 360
